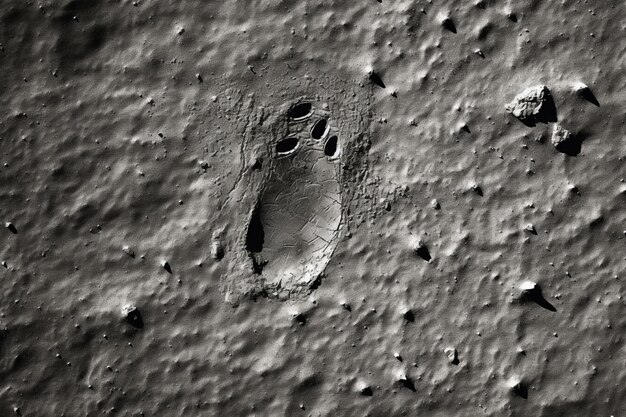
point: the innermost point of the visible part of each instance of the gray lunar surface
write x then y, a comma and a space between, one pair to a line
312, 208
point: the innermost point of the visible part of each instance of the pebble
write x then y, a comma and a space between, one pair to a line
128, 251
451, 354
300, 318
11, 227
530, 228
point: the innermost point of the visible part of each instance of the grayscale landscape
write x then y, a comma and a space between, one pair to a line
312, 208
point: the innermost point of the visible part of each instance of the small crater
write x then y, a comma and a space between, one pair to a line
330, 149
286, 146
300, 111
319, 129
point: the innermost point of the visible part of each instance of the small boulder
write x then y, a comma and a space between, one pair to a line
533, 105
131, 314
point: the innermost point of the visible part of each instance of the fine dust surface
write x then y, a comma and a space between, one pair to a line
314, 208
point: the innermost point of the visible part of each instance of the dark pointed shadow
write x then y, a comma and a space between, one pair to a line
135, 319
455, 361
316, 283
367, 392
424, 253
478, 190
531, 230
536, 296
409, 316
12, 228
376, 79
528, 122
447, 23
548, 112
300, 318
167, 267
587, 94
407, 383
573, 145
521, 390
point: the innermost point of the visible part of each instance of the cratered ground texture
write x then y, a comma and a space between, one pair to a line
312, 208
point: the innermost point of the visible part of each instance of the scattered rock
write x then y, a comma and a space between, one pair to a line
452, 355
512, 16
559, 136
530, 228
533, 105
422, 251
477, 189
584, 92
131, 314
527, 287
531, 291
128, 251
376, 79
11, 227
405, 381
409, 316
447, 23
564, 141
364, 389
518, 387
300, 318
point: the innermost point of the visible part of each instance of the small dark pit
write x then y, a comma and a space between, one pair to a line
300, 111
319, 129
286, 145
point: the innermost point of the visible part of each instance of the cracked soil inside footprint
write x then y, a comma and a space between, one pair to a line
294, 207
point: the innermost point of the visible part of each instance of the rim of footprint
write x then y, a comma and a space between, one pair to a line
304, 165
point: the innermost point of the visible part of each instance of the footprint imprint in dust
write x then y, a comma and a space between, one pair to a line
302, 185
294, 226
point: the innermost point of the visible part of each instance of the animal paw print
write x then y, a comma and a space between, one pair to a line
294, 228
